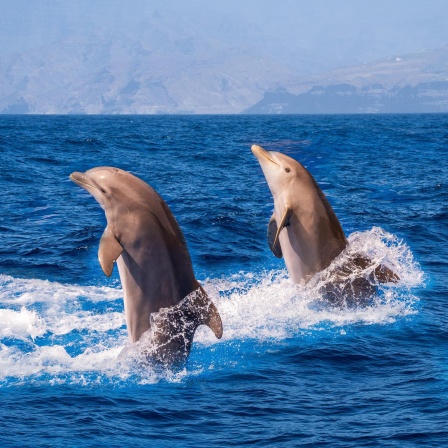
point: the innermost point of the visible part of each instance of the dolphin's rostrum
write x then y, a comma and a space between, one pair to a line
305, 231
155, 268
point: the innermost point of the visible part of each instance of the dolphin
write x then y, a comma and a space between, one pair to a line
304, 228
154, 264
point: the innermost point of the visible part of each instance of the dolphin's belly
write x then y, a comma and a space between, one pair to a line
294, 262
150, 282
308, 247
137, 305
303, 254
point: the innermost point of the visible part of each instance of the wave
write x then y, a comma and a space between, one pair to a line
52, 333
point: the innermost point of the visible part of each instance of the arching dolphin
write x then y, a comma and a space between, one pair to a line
155, 269
304, 228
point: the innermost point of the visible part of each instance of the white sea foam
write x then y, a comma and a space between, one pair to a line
20, 324
53, 333
274, 308
24, 291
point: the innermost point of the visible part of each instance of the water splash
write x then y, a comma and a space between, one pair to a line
54, 333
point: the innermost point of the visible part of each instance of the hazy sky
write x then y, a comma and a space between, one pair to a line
309, 35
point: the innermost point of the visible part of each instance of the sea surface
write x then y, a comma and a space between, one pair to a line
289, 370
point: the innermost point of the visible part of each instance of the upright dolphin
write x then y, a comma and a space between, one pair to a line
155, 269
304, 228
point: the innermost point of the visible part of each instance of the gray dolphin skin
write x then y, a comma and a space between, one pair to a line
154, 264
304, 228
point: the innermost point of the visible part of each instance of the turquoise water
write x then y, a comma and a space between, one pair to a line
289, 371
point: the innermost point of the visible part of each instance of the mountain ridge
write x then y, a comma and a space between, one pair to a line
168, 71
415, 82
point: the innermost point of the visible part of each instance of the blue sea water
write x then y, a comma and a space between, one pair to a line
289, 371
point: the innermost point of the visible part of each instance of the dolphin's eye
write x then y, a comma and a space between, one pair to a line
287, 170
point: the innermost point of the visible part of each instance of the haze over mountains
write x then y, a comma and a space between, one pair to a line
203, 57
406, 83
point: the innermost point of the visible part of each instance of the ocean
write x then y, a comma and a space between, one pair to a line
289, 370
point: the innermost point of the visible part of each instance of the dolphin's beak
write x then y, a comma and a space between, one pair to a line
87, 183
261, 153
78, 178
83, 181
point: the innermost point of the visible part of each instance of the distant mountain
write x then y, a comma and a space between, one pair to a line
164, 73
169, 65
402, 84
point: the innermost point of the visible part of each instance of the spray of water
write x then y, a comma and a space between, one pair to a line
53, 333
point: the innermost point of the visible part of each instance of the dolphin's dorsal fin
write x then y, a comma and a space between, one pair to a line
213, 320
381, 273
272, 233
385, 275
110, 249
208, 313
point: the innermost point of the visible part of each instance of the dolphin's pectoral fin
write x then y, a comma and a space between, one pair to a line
272, 233
110, 249
283, 223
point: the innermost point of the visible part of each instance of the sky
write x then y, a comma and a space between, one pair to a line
200, 56
309, 36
